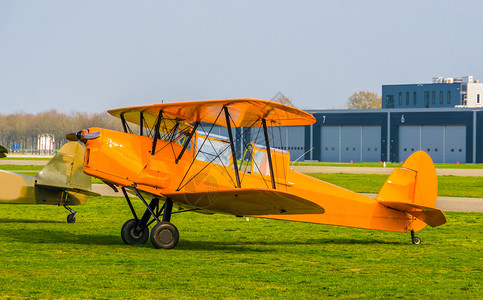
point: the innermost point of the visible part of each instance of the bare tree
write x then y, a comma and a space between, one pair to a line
24, 129
281, 98
364, 100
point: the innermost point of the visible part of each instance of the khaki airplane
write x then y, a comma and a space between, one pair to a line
60, 182
3, 151
170, 159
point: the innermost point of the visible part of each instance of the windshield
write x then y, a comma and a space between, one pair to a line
214, 151
261, 163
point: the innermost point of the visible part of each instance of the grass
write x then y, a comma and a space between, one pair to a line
450, 186
223, 256
29, 158
21, 168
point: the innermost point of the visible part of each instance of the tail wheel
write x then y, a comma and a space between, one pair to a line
131, 236
415, 239
164, 235
71, 218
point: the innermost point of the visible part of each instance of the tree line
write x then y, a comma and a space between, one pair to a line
24, 129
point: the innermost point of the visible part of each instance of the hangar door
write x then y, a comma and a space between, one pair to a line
346, 143
291, 138
445, 144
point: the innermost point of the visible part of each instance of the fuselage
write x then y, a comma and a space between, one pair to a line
125, 160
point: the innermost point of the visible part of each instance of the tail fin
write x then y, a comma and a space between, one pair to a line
414, 189
65, 172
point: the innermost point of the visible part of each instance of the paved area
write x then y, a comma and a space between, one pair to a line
381, 170
443, 203
23, 162
458, 204
105, 190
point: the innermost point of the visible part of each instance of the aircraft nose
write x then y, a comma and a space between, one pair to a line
82, 135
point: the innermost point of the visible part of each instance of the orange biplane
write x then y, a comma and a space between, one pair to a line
175, 158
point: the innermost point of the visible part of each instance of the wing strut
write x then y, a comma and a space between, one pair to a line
141, 122
124, 124
187, 142
265, 131
156, 131
232, 145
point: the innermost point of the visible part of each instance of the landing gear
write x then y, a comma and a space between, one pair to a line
415, 239
131, 235
71, 217
136, 231
164, 235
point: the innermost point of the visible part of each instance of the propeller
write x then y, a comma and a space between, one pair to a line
82, 135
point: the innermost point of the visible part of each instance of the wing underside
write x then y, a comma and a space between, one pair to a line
248, 201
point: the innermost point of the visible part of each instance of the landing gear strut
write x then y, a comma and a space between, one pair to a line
415, 239
136, 231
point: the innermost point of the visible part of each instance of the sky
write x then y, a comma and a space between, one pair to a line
94, 55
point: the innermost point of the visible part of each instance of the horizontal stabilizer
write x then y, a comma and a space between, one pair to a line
248, 201
431, 216
74, 190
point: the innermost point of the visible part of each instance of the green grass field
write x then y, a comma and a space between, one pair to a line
451, 186
29, 158
218, 256
21, 168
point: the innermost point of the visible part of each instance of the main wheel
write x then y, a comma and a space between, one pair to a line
164, 235
416, 240
129, 234
71, 218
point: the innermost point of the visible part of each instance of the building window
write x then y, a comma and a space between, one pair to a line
440, 97
400, 98
449, 97
478, 98
390, 101
433, 97
426, 99
414, 98
407, 98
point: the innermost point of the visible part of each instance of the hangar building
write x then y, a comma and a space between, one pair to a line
443, 92
449, 135
443, 118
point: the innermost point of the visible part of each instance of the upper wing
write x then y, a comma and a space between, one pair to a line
248, 201
244, 112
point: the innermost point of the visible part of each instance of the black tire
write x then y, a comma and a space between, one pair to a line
416, 240
164, 235
130, 237
71, 218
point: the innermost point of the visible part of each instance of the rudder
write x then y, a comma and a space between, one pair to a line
413, 189
64, 172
